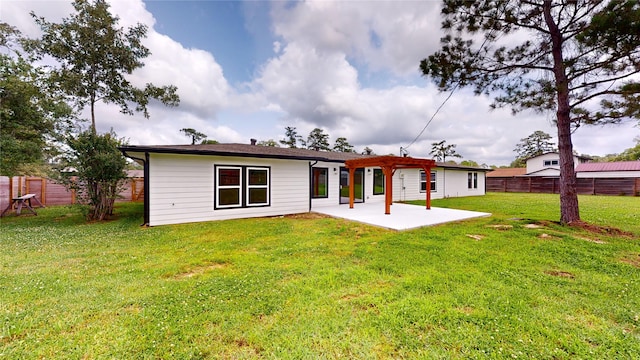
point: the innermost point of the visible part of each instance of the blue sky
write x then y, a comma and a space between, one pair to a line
249, 69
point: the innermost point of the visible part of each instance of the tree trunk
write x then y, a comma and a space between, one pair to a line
569, 209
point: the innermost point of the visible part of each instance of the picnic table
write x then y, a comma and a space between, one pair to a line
23, 201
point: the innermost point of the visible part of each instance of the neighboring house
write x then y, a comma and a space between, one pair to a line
191, 183
548, 164
542, 176
618, 169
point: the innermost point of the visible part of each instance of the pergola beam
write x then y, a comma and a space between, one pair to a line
389, 164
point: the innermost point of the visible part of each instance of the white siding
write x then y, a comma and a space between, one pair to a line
449, 183
333, 191
537, 163
181, 188
609, 174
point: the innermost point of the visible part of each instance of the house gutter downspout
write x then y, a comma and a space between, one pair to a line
145, 180
311, 182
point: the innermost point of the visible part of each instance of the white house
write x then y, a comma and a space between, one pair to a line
548, 164
191, 183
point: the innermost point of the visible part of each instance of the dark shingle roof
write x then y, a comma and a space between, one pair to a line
245, 150
272, 152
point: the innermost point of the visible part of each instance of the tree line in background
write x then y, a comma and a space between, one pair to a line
40, 107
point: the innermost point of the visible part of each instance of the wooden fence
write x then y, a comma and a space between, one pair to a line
52, 193
588, 186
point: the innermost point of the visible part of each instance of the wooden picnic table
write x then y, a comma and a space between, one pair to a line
23, 201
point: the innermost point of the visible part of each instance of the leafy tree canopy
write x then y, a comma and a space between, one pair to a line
291, 137
270, 142
440, 151
538, 143
193, 134
32, 114
94, 57
342, 145
318, 140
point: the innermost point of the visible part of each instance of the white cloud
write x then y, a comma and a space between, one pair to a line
350, 68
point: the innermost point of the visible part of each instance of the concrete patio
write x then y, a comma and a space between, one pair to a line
402, 217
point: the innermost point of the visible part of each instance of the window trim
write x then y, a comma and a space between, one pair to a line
374, 182
434, 181
243, 187
248, 186
218, 187
326, 190
472, 180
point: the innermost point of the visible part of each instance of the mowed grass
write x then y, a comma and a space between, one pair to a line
313, 287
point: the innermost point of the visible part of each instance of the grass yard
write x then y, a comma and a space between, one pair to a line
314, 287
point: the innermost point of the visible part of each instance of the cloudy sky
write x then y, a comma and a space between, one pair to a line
249, 69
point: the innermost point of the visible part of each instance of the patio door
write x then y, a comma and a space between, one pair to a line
358, 188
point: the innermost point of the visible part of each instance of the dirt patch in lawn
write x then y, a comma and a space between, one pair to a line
309, 215
558, 273
500, 227
199, 270
632, 259
475, 237
605, 230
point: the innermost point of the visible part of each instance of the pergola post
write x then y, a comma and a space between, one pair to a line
352, 184
388, 188
427, 172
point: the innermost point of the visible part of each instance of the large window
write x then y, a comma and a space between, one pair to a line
423, 181
472, 180
241, 186
378, 182
320, 182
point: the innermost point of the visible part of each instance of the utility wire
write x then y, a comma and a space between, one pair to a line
432, 117
403, 150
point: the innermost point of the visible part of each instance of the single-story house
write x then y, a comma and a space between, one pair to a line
191, 183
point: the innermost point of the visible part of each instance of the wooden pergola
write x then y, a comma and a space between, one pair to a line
389, 164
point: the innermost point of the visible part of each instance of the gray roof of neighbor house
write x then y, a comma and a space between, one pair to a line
258, 151
609, 166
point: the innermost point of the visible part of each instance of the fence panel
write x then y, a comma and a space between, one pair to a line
590, 186
52, 193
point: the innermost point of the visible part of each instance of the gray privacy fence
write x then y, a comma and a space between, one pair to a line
51, 193
589, 186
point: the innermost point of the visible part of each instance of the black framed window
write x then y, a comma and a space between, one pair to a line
228, 180
423, 181
378, 182
472, 180
257, 186
241, 186
319, 182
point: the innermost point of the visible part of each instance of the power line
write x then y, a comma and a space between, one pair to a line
432, 117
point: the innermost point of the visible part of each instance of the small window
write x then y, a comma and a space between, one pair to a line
378, 182
229, 183
472, 180
257, 186
423, 181
551, 162
319, 182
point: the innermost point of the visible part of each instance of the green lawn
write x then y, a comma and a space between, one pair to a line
312, 287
